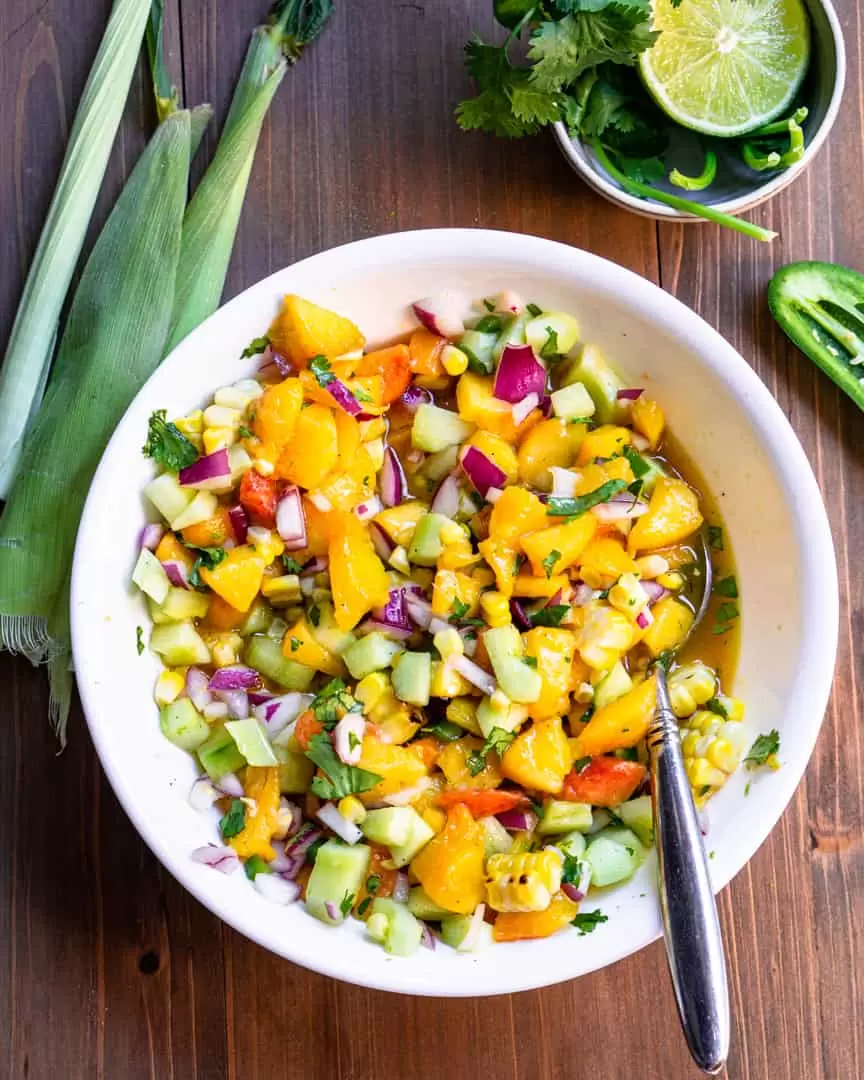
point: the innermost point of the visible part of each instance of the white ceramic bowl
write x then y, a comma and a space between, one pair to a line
726, 418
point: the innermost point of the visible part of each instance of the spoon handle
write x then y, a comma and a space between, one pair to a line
694, 947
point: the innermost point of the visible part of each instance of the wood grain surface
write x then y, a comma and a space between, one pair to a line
107, 967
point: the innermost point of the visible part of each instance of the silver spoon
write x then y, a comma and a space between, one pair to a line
694, 946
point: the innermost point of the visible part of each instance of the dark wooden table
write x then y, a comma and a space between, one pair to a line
107, 967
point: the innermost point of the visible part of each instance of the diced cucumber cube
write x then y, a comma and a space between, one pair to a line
600, 819
421, 905
157, 615
479, 347
251, 741
182, 604
327, 632
258, 618
455, 933
553, 333
518, 681
497, 840
400, 933
437, 466
374, 652
166, 494
295, 771
615, 854
265, 655
412, 677
488, 717
219, 755
183, 724
513, 333
572, 401
238, 461
339, 871
389, 826
562, 817
426, 544
614, 684
418, 837
637, 814
179, 645
600, 381
203, 506
436, 428
572, 844
150, 577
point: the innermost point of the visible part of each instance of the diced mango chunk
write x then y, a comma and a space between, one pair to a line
303, 330
237, 579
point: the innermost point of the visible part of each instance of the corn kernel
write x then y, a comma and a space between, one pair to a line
282, 590
733, 707
238, 396
375, 449
689, 742
702, 774
191, 424
436, 819
500, 702
223, 655
169, 686
219, 416
690, 686
399, 560
263, 467
523, 882
496, 608
673, 580
452, 533
723, 754
584, 693
371, 689
453, 360
463, 712
652, 566
628, 595
448, 643
447, 682
218, 439
352, 809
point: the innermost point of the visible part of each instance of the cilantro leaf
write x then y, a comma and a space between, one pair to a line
717, 707
232, 823
207, 557
291, 565
571, 872
167, 444
139, 639
638, 465
586, 921
314, 614
564, 506
619, 113
550, 560
549, 616
530, 661
764, 747
340, 779
256, 345
476, 762
445, 730
550, 345
332, 702
459, 609
715, 538
346, 904
320, 368
727, 586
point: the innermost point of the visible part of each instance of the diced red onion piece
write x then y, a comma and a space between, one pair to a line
553, 601
369, 508
546, 405
446, 499
644, 619
419, 610
223, 859
348, 738
653, 591
216, 710
524, 408
203, 794
229, 784
375, 626
197, 688
276, 713
284, 365
573, 892
519, 615
519, 374
235, 677
333, 911
427, 938
382, 543
277, 889
631, 394
150, 536
296, 848
640, 443
290, 519
343, 397
441, 313
564, 482
392, 482
177, 573
473, 673
415, 396
469, 643
518, 820
493, 495
210, 471
408, 795
394, 612
315, 566
509, 302
401, 887
237, 702
239, 523
436, 625
344, 829
258, 697
481, 471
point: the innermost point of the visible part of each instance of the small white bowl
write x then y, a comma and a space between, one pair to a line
730, 424
738, 189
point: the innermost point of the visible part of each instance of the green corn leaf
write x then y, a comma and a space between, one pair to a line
28, 355
114, 339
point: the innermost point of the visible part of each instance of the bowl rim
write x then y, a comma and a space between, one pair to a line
577, 156
820, 596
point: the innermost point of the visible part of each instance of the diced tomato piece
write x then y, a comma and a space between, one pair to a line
482, 803
605, 781
393, 364
259, 496
307, 725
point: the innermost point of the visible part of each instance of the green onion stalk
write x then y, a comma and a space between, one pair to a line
31, 344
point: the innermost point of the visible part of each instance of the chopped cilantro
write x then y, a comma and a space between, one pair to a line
444, 730
581, 764
716, 706
703, 791
254, 866
490, 324
295, 644
353, 741
139, 639
256, 345
314, 615
459, 610
530, 661
489, 305
727, 586
312, 850
638, 464
320, 368
363, 906
726, 613
291, 565
665, 658
332, 702
373, 884
364, 399
518, 562
167, 444
747, 788
534, 310
572, 507
763, 748
571, 872
244, 432
550, 345
232, 823
715, 538
550, 560
346, 904
207, 557
339, 779
586, 921
476, 762
549, 616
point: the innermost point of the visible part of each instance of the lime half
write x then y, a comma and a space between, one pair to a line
725, 67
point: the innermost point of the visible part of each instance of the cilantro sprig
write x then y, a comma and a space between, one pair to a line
496, 742
167, 444
577, 505
339, 779
764, 749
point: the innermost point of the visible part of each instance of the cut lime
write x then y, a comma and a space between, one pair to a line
725, 67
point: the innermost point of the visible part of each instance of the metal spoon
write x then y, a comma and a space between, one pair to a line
694, 946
